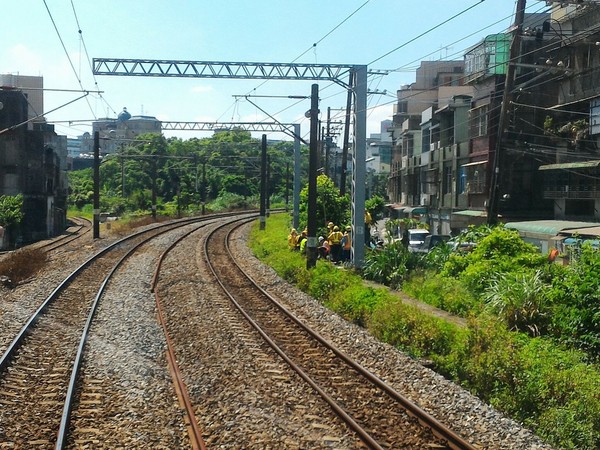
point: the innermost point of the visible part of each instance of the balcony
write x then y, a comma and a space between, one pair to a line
570, 192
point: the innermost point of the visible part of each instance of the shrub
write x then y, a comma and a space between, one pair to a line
577, 296
444, 293
356, 303
22, 264
520, 300
409, 329
501, 251
387, 265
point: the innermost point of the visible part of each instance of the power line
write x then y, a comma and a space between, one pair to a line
427, 31
67, 55
89, 60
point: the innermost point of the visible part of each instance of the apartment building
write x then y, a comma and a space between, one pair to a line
447, 146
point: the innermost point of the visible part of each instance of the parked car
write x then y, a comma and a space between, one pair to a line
416, 238
430, 242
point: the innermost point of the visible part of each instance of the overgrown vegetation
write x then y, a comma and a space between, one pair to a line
21, 265
531, 343
11, 213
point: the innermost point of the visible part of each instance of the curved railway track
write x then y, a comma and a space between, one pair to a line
240, 371
81, 230
380, 416
39, 370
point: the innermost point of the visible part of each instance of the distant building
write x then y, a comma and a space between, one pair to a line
115, 133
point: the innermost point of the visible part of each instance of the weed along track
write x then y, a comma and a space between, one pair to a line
380, 417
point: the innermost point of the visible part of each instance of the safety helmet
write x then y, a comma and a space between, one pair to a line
336, 228
348, 228
294, 231
330, 224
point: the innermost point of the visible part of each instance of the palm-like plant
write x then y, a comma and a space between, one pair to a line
519, 299
387, 265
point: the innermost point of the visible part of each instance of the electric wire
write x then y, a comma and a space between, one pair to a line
317, 42
89, 59
427, 32
68, 57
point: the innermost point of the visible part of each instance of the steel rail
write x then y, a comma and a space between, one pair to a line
18, 340
363, 434
68, 405
66, 238
183, 396
454, 441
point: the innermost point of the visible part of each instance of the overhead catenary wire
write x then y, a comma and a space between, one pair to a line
68, 56
89, 59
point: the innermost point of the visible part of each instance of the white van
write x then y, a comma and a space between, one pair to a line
416, 238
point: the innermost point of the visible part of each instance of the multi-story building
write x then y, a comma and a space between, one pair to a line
32, 88
32, 163
571, 151
416, 134
450, 160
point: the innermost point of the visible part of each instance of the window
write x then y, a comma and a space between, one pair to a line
447, 181
479, 121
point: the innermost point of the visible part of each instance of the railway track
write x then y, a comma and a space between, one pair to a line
81, 230
39, 370
379, 416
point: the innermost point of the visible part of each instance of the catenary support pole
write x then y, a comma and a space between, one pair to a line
263, 183
297, 179
344, 167
359, 165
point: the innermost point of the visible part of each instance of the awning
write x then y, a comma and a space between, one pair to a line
549, 227
396, 206
589, 231
477, 163
415, 209
571, 165
471, 212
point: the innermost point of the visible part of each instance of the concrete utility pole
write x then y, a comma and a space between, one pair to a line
328, 142
346, 138
313, 161
96, 222
515, 50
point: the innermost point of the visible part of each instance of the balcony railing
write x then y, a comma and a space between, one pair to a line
571, 194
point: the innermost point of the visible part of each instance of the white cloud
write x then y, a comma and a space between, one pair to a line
22, 60
202, 89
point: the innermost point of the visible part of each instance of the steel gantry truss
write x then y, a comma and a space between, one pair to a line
211, 69
336, 73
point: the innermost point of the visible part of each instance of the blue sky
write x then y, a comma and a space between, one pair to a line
236, 31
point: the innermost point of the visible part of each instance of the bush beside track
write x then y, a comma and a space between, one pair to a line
551, 390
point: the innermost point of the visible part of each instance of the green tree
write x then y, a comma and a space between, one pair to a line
11, 210
331, 206
11, 214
